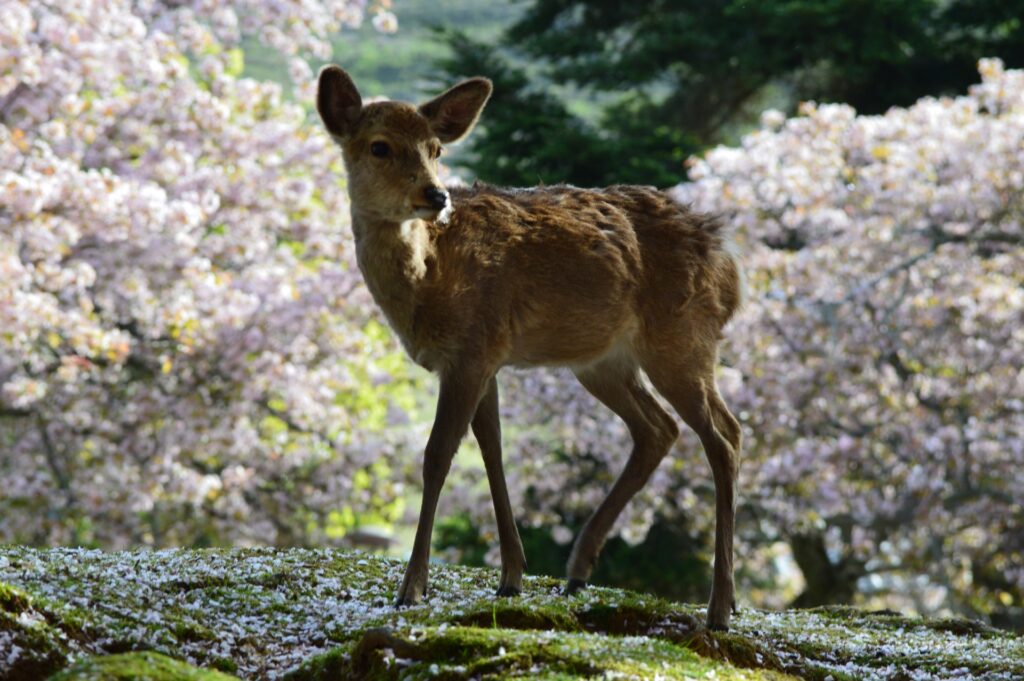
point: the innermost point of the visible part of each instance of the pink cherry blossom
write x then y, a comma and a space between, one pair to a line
183, 344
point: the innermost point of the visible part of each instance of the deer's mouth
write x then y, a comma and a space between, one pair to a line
433, 214
426, 211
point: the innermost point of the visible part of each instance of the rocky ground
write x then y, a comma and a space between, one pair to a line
325, 614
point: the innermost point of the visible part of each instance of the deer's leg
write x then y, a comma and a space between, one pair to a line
460, 393
618, 386
487, 429
695, 396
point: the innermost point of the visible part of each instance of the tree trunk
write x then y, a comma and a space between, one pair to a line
828, 583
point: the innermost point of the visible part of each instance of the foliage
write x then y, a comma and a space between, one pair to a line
674, 76
880, 366
308, 615
187, 355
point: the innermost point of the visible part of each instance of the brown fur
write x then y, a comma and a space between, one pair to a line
606, 281
592, 267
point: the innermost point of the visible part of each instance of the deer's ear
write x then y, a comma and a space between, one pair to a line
337, 100
454, 113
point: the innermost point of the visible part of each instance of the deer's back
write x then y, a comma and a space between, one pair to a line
565, 273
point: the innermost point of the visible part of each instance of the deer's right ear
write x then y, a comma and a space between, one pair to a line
337, 100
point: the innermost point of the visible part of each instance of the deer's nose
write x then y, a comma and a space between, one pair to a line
436, 197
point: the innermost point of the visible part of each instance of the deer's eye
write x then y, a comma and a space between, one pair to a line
380, 149
436, 152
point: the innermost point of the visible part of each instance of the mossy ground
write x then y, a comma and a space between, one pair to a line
324, 614
135, 667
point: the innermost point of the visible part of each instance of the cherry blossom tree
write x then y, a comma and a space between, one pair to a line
880, 365
187, 354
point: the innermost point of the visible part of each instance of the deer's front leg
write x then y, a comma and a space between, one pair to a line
460, 393
487, 428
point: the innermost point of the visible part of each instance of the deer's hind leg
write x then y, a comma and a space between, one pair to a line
685, 375
616, 383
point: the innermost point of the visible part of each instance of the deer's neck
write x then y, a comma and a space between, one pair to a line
393, 259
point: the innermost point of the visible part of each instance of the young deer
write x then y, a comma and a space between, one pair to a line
604, 281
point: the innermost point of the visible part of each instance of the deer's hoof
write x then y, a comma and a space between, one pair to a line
409, 595
718, 618
720, 609
404, 602
508, 591
573, 586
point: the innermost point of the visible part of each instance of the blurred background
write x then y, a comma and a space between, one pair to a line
188, 356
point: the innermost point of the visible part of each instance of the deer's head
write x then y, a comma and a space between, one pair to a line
391, 148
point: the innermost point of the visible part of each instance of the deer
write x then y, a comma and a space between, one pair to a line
613, 283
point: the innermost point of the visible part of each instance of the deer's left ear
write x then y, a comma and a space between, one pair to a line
454, 113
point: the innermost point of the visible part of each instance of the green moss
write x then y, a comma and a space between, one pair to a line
33, 647
36, 652
136, 667
488, 653
886, 644
633, 618
12, 600
224, 664
204, 582
963, 627
636, 616
509, 614
324, 667
186, 631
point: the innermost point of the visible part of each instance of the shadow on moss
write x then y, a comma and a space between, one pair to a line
463, 653
475, 647
651, 620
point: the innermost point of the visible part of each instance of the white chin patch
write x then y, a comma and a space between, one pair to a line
441, 217
446, 213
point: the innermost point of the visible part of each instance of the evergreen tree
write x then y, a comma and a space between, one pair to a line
674, 76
